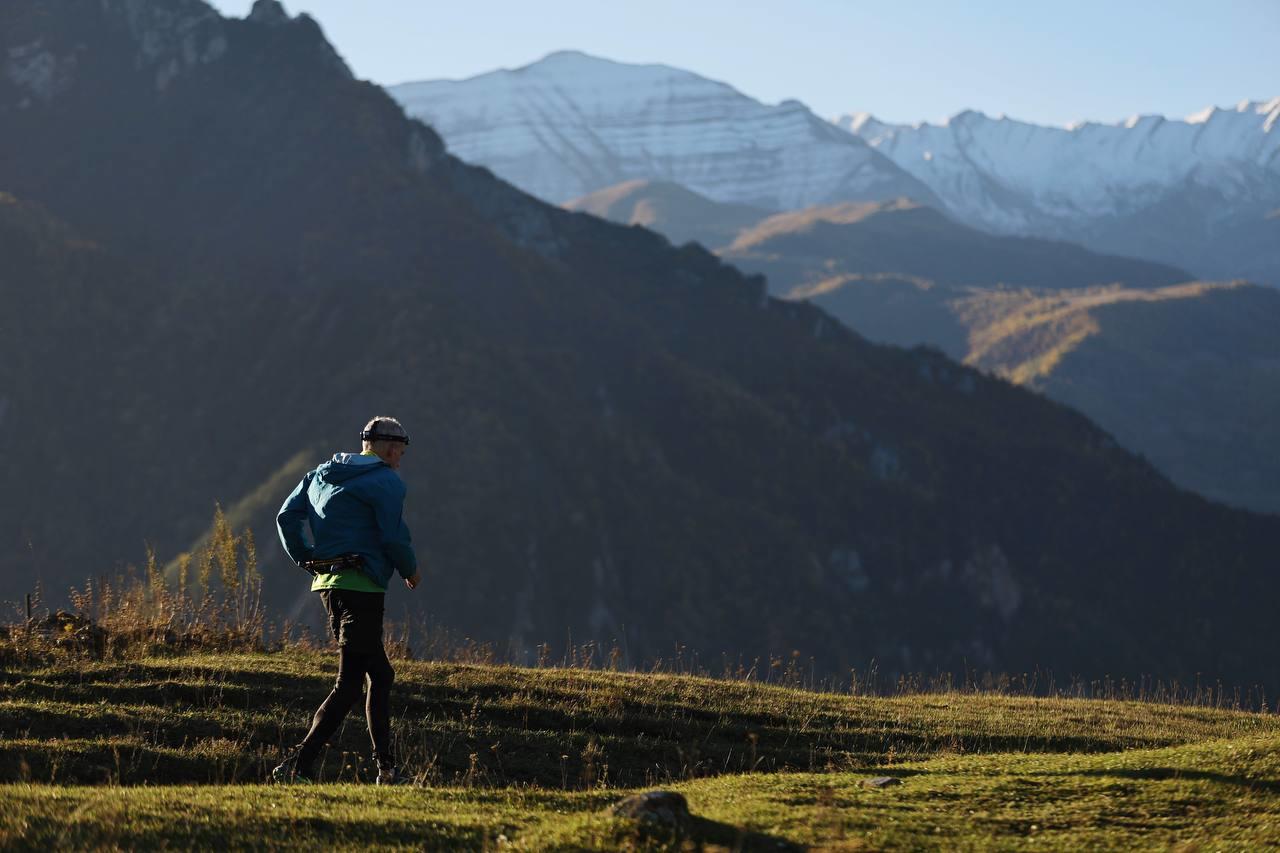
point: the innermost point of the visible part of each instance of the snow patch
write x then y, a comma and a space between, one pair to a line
857, 121
1016, 177
1201, 117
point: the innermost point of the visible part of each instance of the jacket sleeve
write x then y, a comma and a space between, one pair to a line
397, 544
291, 522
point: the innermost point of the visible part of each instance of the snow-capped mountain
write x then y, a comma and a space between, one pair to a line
1203, 191
571, 124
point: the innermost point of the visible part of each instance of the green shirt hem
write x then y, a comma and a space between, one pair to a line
349, 579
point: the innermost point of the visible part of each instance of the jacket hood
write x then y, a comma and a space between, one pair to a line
346, 466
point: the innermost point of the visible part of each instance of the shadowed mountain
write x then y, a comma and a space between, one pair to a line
1184, 374
1189, 375
613, 438
1193, 397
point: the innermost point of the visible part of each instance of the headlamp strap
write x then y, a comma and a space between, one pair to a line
371, 435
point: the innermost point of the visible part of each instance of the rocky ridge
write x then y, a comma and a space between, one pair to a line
571, 124
1197, 192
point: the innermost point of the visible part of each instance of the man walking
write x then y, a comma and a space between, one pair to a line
353, 505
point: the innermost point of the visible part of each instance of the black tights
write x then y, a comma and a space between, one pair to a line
353, 666
355, 618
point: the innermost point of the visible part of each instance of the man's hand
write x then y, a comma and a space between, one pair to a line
413, 582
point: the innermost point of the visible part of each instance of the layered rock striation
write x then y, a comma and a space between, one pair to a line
571, 124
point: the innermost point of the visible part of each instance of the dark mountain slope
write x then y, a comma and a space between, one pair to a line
1199, 356
612, 437
1185, 374
1190, 374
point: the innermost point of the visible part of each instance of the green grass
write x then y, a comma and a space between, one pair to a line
171, 752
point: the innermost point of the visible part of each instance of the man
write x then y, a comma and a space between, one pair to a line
353, 505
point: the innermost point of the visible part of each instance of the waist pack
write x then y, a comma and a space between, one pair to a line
334, 564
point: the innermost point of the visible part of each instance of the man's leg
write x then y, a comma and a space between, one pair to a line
356, 621
331, 713
364, 632
377, 708
301, 764
346, 690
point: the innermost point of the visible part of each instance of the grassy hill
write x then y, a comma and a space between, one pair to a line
171, 751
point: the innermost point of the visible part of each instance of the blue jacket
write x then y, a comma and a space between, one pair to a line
354, 505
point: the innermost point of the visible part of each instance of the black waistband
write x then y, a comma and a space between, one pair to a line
334, 564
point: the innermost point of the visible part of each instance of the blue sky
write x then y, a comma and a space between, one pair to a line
1050, 63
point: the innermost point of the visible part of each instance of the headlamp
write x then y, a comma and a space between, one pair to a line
370, 435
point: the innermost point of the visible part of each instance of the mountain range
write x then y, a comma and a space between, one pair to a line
1201, 194
571, 124
224, 253
1183, 372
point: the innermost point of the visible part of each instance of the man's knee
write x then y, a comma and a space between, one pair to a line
381, 673
349, 683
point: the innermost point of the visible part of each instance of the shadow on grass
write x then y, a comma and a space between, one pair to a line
1161, 774
490, 727
700, 833
219, 832
703, 832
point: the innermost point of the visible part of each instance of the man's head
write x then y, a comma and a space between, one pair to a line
385, 438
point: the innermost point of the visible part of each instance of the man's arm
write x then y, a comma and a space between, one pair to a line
396, 541
291, 523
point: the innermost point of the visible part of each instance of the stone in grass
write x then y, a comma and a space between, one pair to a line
881, 782
662, 808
